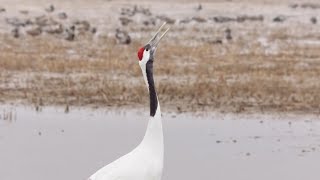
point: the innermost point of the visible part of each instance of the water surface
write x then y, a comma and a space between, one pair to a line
51, 144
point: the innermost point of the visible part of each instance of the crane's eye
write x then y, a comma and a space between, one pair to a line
147, 49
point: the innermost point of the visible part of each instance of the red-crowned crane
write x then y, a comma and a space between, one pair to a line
145, 162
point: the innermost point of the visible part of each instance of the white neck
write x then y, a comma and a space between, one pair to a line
144, 74
153, 137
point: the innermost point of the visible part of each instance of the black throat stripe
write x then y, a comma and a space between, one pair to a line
152, 90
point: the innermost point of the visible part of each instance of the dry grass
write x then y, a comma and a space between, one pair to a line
242, 75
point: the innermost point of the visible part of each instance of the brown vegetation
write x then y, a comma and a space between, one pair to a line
46, 71
251, 65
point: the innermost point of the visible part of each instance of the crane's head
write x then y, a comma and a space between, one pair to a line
147, 52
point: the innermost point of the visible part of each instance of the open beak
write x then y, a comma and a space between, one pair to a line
154, 41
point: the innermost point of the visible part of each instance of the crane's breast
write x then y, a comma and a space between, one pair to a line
137, 165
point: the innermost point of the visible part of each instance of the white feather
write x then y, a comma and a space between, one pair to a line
145, 162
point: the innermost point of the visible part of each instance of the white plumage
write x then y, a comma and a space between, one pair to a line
145, 162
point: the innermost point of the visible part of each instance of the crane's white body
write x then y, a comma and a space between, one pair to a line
145, 162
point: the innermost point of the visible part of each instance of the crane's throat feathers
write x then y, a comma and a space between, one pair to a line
152, 90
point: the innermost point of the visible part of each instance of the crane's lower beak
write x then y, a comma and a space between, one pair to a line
154, 41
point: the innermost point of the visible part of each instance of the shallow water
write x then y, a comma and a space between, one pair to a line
51, 144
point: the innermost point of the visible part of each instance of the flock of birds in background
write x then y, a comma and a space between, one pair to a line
48, 24
53, 22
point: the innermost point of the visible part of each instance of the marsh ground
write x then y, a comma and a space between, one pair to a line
228, 56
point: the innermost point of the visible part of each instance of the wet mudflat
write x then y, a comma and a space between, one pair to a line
52, 144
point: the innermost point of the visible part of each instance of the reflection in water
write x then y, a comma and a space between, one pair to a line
8, 114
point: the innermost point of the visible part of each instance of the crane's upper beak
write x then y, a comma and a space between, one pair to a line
154, 41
